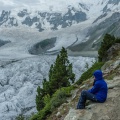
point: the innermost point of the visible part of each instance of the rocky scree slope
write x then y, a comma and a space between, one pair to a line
95, 111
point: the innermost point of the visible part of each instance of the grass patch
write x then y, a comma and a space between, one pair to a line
111, 76
20, 117
86, 75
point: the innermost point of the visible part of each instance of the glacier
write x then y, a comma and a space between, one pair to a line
19, 80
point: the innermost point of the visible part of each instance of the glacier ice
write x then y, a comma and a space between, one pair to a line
19, 81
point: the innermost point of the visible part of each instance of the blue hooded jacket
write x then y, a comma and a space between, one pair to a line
99, 88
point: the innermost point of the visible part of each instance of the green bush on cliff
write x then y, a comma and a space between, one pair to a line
89, 72
20, 117
58, 98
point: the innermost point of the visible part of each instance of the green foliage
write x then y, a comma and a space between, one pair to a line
39, 99
107, 42
89, 72
20, 117
67, 90
46, 99
58, 98
41, 115
46, 87
117, 40
60, 73
35, 117
86, 65
44, 112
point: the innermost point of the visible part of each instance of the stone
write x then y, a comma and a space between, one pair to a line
111, 52
73, 114
111, 86
58, 114
83, 86
90, 106
105, 118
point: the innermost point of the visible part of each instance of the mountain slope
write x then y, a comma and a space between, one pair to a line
105, 111
108, 110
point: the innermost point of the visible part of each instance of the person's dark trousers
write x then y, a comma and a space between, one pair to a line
85, 95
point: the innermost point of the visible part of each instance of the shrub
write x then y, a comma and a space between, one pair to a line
39, 99
60, 74
58, 98
20, 117
41, 115
46, 99
117, 40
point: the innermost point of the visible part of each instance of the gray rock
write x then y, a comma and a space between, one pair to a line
58, 114
112, 51
78, 115
90, 106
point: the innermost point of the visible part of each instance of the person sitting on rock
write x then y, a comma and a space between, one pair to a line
98, 93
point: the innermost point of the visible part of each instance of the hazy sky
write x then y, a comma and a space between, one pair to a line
9, 4
41, 4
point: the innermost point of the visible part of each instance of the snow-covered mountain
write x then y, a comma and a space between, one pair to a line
94, 17
59, 14
41, 20
39, 29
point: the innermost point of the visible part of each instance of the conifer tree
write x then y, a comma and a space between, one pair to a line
39, 99
107, 42
61, 74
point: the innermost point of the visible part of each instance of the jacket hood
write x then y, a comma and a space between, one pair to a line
98, 75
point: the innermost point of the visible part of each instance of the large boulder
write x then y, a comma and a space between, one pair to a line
113, 51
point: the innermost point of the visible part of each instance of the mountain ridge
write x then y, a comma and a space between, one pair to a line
78, 12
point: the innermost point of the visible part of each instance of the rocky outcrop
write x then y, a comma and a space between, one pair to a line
101, 111
2, 42
42, 47
112, 51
